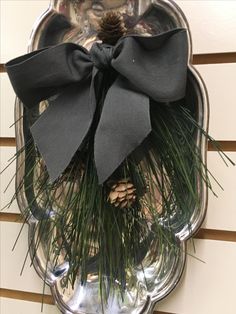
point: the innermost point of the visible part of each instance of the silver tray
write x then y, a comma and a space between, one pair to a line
76, 21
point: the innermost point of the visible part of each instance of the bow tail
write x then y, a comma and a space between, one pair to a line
60, 130
124, 124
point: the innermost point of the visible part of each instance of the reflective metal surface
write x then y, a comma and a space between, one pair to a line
77, 21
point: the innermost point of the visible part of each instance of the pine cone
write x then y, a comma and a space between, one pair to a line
122, 194
112, 28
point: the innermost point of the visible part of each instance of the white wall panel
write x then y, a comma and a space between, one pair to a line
5, 196
12, 262
220, 80
10, 306
212, 23
17, 19
202, 288
221, 213
7, 100
209, 287
206, 288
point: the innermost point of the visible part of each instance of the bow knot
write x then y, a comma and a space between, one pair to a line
101, 55
159, 72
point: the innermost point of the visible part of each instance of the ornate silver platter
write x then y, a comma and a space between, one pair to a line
161, 266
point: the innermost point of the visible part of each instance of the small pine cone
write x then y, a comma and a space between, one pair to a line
122, 194
111, 28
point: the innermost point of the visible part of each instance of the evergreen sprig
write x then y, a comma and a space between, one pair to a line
78, 224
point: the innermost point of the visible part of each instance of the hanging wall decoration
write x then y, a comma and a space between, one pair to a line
112, 133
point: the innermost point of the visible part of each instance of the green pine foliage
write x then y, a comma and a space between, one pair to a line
76, 221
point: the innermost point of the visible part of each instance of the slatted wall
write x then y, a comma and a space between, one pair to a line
207, 287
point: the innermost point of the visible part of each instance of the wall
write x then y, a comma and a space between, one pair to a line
208, 286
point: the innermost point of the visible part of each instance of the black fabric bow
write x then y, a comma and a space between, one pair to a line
147, 67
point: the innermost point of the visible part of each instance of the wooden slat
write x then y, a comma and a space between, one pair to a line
205, 58
157, 312
2, 68
36, 297
206, 234
217, 235
11, 217
7, 141
214, 58
227, 146
26, 296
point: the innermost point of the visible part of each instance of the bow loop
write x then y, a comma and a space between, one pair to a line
146, 67
43, 73
156, 65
